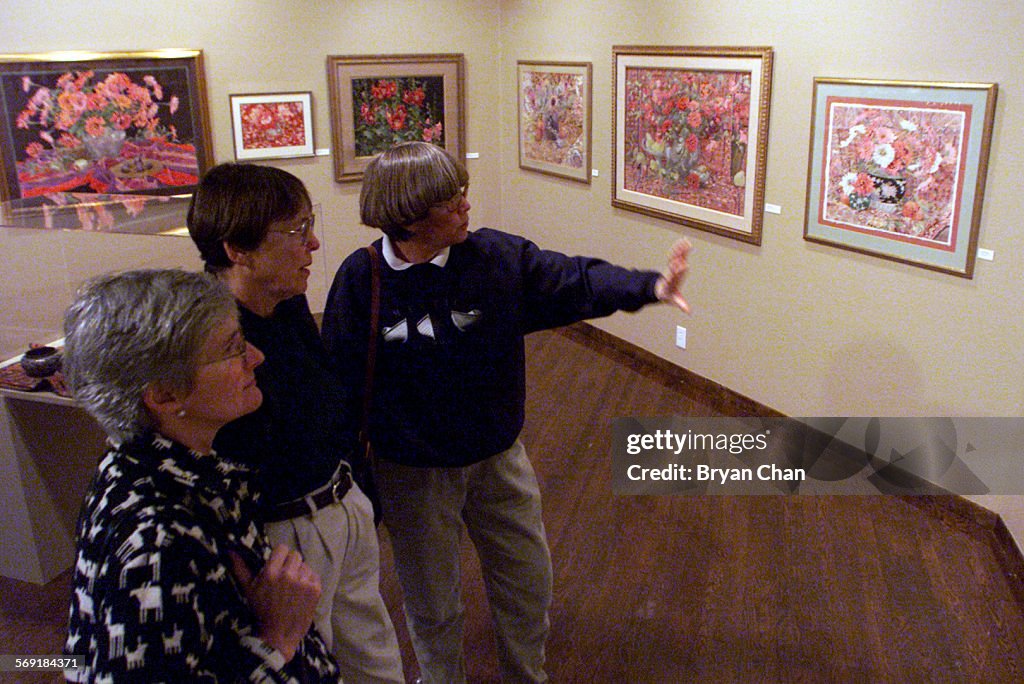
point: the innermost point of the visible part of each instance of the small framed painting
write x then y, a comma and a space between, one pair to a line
378, 101
554, 118
690, 135
272, 125
897, 169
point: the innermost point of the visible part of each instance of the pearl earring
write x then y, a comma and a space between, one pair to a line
181, 413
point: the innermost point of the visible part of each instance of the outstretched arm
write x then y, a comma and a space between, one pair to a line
669, 285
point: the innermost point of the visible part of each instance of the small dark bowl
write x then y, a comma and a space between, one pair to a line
39, 362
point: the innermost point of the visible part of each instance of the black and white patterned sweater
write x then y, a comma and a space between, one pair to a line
153, 597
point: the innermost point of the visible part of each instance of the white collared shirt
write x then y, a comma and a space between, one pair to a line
397, 263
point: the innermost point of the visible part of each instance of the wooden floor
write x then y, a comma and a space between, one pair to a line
713, 589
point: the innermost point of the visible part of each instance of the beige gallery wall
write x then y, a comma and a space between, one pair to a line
807, 329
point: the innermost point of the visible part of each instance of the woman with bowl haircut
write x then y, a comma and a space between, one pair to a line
449, 394
254, 227
173, 580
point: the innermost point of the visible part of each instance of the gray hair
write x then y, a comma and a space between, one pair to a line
402, 183
126, 331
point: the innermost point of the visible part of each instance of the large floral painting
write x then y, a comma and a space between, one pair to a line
554, 118
103, 123
691, 135
379, 101
897, 169
272, 125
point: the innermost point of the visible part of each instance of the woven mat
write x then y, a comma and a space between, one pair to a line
15, 377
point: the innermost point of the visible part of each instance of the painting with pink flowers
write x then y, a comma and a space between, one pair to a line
691, 135
110, 123
555, 101
378, 101
272, 125
898, 169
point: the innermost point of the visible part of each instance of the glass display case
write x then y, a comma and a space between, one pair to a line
49, 245
52, 243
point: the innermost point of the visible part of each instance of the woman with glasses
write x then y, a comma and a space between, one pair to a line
449, 395
254, 227
173, 580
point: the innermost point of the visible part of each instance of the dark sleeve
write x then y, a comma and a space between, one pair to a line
346, 321
559, 289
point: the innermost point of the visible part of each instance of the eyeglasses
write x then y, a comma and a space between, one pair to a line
238, 347
455, 203
304, 231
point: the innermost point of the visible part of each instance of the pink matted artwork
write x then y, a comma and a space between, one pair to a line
897, 169
691, 135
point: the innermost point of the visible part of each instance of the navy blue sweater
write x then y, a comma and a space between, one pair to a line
301, 432
450, 383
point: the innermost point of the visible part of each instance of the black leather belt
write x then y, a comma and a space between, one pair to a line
328, 495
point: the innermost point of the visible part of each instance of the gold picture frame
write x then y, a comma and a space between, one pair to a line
554, 115
897, 169
690, 135
103, 122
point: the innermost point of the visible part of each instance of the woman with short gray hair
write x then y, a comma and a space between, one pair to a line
173, 580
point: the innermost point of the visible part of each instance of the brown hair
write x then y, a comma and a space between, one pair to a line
402, 183
236, 203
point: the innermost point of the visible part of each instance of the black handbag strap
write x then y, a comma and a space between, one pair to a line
371, 348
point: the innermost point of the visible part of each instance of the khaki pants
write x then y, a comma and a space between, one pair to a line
340, 544
498, 501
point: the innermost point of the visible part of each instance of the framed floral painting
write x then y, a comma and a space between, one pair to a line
104, 122
897, 169
690, 135
554, 118
272, 125
380, 100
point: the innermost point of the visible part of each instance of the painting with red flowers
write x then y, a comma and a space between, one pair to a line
272, 125
103, 123
379, 101
691, 129
387, 111
898, 169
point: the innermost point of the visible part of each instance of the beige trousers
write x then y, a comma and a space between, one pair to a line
340, 544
